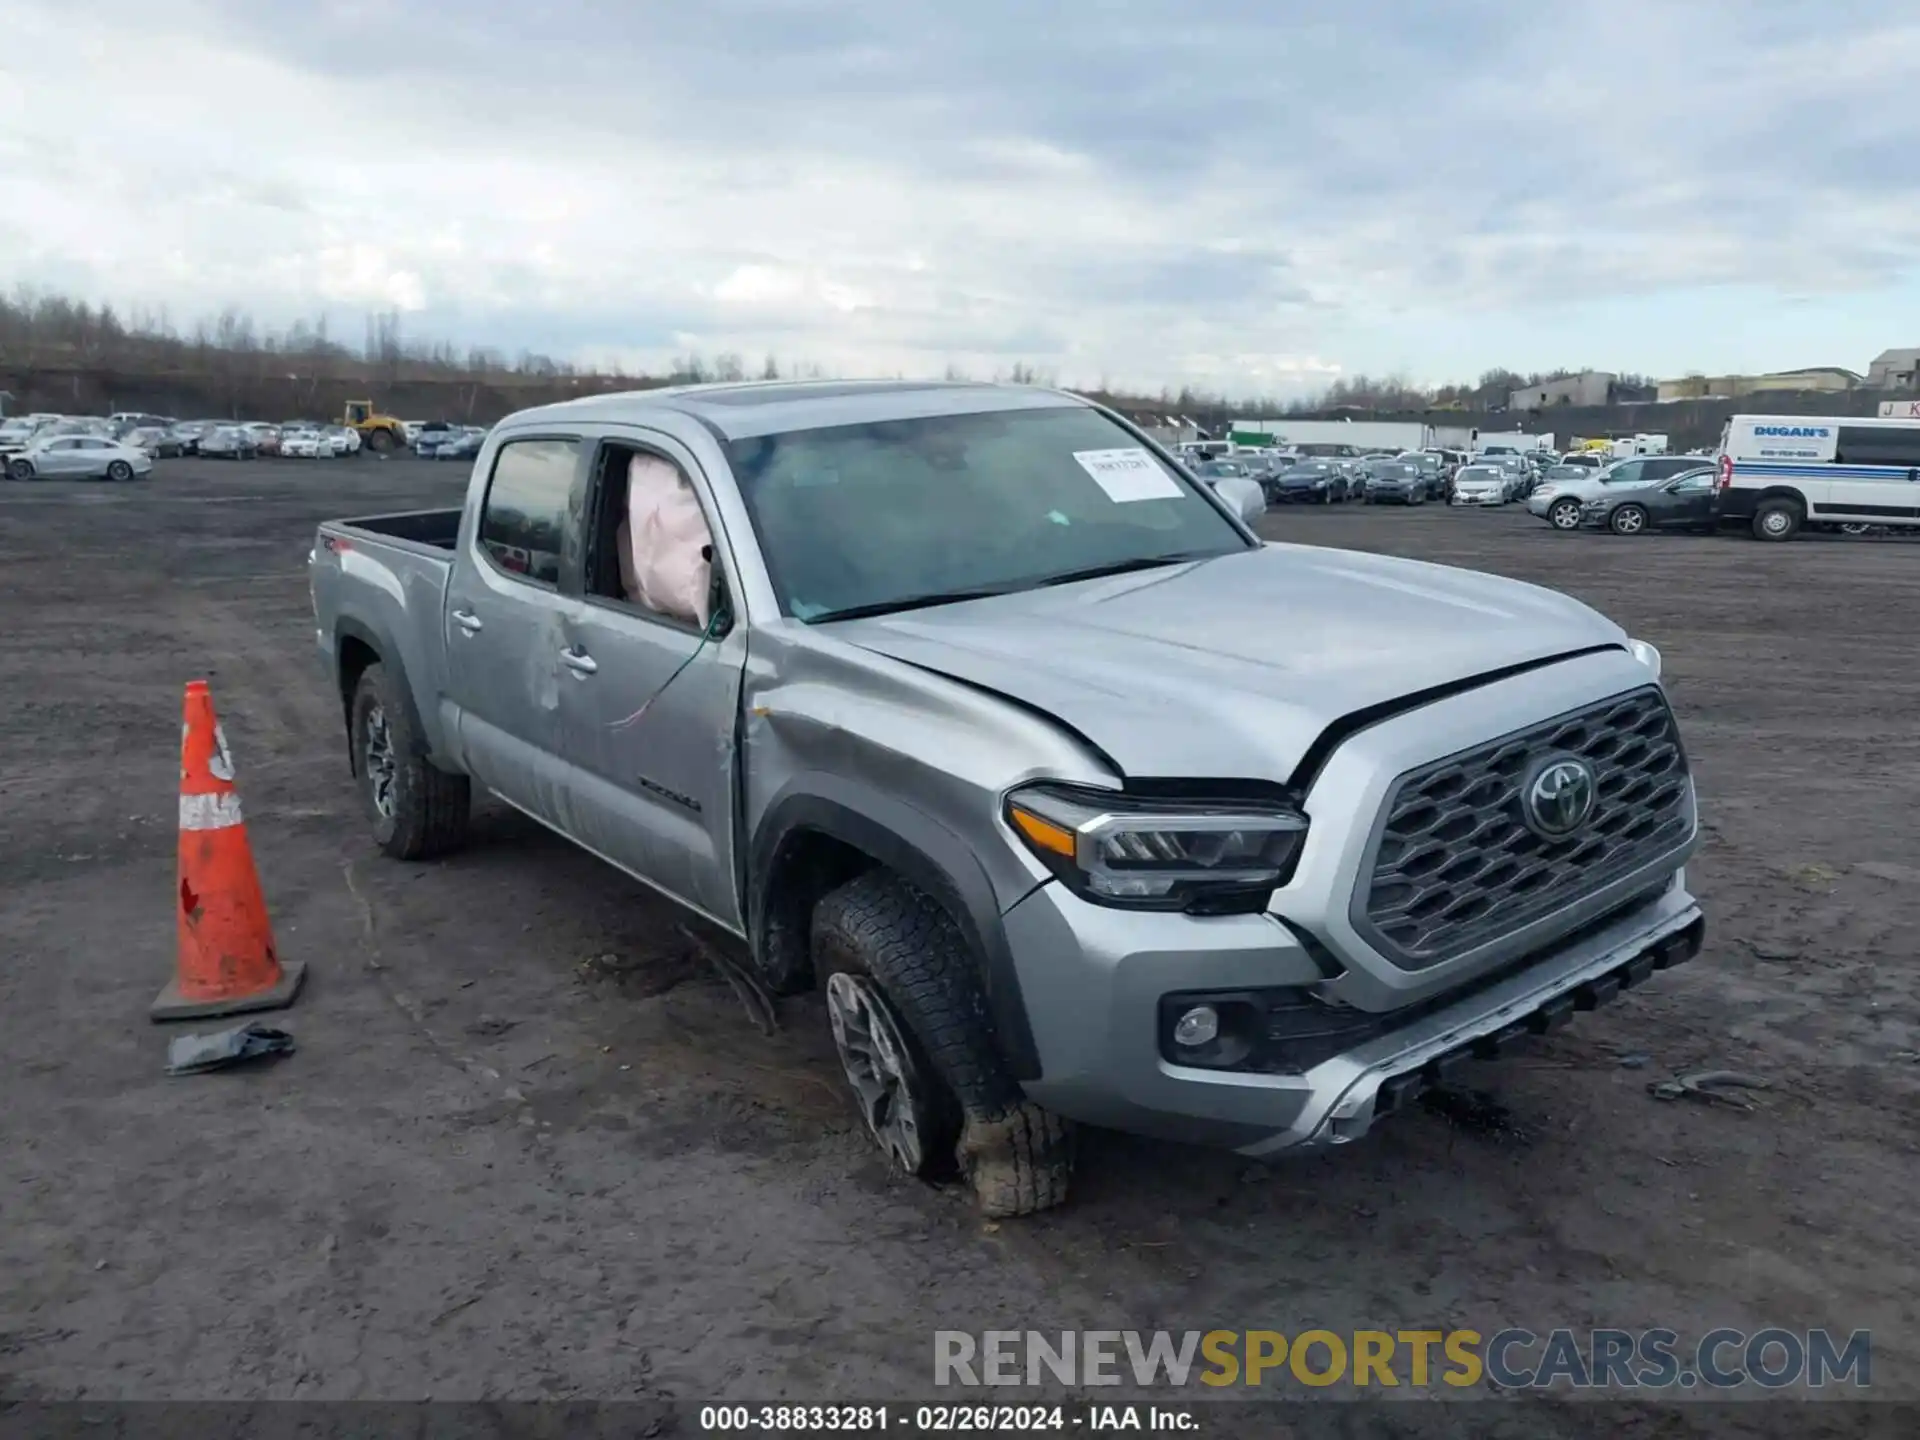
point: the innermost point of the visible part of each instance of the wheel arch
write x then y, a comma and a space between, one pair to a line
808, 843
357, 648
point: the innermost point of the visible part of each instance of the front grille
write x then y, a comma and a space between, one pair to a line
1456, 866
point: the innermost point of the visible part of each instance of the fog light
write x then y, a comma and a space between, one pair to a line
1197, 1027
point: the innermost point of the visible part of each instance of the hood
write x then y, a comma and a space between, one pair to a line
1584, 489
1232, 668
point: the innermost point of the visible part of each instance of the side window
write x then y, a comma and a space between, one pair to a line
523, 522
1877, 445
651, 547
1693, 485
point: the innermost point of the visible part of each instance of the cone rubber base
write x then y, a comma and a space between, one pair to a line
171, 1005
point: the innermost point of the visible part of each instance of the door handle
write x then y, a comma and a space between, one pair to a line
579, 662
467, 621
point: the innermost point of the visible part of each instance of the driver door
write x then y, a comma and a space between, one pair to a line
1689, 502
62, 458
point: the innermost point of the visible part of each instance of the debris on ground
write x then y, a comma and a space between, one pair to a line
1636, 1061
1473, 1110
1814, 877
197, 1054
753, 994
1713, 1086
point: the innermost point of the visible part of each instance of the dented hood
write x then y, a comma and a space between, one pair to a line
1231, 668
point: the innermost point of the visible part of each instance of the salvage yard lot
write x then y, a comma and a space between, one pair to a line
530, 1145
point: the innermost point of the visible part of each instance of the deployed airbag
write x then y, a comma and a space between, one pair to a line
665, 550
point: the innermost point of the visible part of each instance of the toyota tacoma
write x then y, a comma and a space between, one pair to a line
983, 717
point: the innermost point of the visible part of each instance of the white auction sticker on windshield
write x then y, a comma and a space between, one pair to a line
1127, 475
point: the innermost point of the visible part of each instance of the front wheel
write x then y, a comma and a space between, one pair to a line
1777, 520
911, 1028
380, 441
119, 472
1564, 515
418, 810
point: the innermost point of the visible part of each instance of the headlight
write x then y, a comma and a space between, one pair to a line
1646, 655
1201, 856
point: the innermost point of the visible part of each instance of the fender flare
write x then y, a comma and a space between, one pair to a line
930, 856
387, 656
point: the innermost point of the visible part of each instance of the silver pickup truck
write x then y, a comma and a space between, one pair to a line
1077, 800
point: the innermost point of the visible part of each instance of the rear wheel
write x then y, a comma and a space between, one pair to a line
1564, 514
1628, 520
20, 469
911, 1028
380, 441
418, 810
1777, 520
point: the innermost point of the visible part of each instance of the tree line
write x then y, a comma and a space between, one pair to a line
51, 332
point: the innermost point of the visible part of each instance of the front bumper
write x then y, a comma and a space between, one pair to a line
1488, 497
1111, 1071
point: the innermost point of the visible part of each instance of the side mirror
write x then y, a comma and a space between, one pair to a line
719, 602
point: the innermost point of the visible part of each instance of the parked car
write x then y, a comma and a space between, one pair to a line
304, 445
342, 439
431, 436
1075, 800
158, 443
187, 434
1479, 485
1682, 503
1394, 482
1315, 482
1431, 470
229, 442
16, 435
265, 437
80, 457
461, 444
1559, 502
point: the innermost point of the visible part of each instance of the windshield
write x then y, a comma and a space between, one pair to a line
1383, 470
1478, 474
895, 513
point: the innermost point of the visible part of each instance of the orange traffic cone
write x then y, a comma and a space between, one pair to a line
227, 961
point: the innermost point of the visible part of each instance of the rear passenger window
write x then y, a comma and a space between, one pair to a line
523, 524
1877, 445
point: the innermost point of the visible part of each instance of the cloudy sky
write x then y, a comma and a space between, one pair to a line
1246, 195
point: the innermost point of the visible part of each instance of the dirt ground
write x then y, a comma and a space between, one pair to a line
531, 1148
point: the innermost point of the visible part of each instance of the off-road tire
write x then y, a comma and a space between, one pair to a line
430, 807
380, 441
1767, 527
1016, 1157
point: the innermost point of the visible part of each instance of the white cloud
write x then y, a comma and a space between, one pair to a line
1162, 193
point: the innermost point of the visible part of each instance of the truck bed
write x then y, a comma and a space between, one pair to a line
379, 593
435, 529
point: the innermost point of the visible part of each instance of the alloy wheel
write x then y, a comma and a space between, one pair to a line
886, 1082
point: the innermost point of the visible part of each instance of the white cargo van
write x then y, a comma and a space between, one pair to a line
1779, 473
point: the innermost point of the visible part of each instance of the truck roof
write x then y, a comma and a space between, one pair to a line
767, 407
